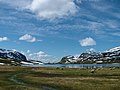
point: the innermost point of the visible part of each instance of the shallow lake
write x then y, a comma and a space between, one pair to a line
76, 65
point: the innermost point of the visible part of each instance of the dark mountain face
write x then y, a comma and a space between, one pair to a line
12, 55
110, 56
92, 55
67, 59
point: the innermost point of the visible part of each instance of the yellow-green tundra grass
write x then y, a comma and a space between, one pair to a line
54, 78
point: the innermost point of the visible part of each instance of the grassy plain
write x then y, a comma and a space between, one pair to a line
52, 78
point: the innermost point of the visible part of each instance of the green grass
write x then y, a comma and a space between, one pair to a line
39, 78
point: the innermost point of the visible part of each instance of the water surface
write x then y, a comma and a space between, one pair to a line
76, 65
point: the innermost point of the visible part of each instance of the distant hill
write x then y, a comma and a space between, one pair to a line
109, 56
10, 57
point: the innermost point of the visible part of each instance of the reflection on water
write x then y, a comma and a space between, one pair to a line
76, 65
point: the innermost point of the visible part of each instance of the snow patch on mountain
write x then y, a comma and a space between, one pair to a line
12, 54
114, 49
109, 56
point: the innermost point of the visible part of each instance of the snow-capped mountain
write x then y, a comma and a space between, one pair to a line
68, 59
114, 49
109, 56
12, 55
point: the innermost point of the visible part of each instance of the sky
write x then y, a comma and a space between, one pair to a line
47, 30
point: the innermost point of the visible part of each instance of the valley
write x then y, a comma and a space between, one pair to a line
52, 78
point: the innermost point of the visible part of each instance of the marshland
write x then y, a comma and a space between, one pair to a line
59, 78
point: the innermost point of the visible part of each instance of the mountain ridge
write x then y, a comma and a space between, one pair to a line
110, 56
12, 55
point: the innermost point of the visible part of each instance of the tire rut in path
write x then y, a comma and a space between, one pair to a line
14, 79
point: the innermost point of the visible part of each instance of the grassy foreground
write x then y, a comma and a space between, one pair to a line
51, 78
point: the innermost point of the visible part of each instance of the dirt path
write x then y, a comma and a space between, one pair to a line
14, 79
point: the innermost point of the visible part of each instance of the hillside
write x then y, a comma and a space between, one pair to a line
10, 57
109, 56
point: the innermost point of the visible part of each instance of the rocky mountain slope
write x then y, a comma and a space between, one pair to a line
12, 55
109, 56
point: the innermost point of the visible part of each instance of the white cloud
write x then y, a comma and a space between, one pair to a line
112, 24
91, 50
18, 4
40, 56
50, 9
28, 38
116, 34
3, 39
47, 9
87, 42
14, 49
28, 51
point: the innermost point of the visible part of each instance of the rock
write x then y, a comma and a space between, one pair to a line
109, 56
12, 55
